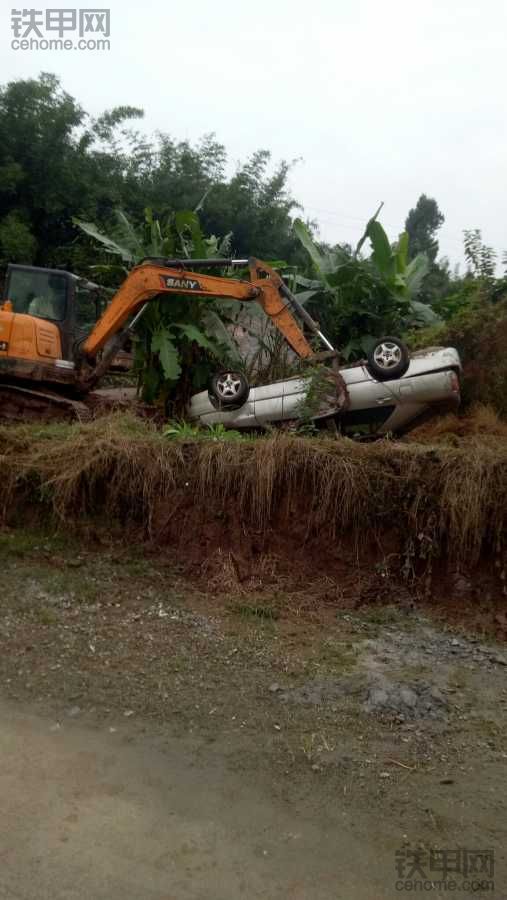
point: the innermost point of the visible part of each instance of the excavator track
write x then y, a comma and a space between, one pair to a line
21, 404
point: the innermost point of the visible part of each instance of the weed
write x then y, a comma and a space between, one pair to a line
383, 615
22, 543
261, 611
335, 656
320, 395
316, 743
182, 431
136, 567
221, 433
44, 616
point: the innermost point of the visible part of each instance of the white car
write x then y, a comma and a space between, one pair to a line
429, 385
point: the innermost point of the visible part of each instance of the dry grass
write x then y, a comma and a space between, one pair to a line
453, 496
481, 421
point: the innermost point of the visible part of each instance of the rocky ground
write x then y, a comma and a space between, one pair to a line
383, 726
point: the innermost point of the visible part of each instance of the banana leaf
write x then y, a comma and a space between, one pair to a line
107, 242
162, 343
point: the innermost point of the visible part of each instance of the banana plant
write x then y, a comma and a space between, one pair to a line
179, 340
358, 298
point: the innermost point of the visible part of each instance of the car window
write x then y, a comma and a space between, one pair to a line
365, 421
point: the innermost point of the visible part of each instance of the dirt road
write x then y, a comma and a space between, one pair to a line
163, 742
92, 814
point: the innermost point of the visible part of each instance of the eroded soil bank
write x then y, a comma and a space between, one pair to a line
416, 520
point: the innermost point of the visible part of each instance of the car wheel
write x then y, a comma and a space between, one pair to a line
229, 389
389, 358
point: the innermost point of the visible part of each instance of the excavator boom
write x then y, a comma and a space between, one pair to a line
149, 280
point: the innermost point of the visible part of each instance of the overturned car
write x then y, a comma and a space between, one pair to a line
389, 393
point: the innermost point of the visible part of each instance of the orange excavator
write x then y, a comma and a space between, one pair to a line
56, 342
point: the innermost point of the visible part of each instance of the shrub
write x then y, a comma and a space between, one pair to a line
479, 333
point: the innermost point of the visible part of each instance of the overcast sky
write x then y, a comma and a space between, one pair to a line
381, 100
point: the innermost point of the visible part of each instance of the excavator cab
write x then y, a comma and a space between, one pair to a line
47, 295
45, 316
45, 312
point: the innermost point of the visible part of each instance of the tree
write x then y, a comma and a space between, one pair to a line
257, 207
254, 204
480, 259
57, 162
54, 162
480, 285
422, 224
17, 243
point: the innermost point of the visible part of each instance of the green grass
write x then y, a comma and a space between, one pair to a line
44, 616
335, 657
19, 543
253, 609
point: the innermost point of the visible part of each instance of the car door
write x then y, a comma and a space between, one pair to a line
268, 402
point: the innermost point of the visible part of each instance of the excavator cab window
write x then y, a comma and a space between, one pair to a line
38, 292
87, 309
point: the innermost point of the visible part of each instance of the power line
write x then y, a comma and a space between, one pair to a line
449, 237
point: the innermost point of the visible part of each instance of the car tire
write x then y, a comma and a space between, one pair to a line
228, 389
389, 358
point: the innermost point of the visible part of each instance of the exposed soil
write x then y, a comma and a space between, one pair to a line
431, 518
221, 551
336, 714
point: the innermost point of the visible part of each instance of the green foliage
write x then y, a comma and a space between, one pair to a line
162, 343
475, 312
479, 285
320, 392
481, 259
460, 294
421, 225
436, 284
174, 234
272, 360
357, 300
221, 433
175, 359
180, 339
256, 205
480, 334
17, 243
57, 162
477, 327
184, 431
129, 248
181, 431
54, 162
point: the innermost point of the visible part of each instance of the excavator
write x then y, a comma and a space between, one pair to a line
57, 343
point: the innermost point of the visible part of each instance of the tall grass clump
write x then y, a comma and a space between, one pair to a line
124, 470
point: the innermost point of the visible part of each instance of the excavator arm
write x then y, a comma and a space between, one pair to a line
151, 280
148, 281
